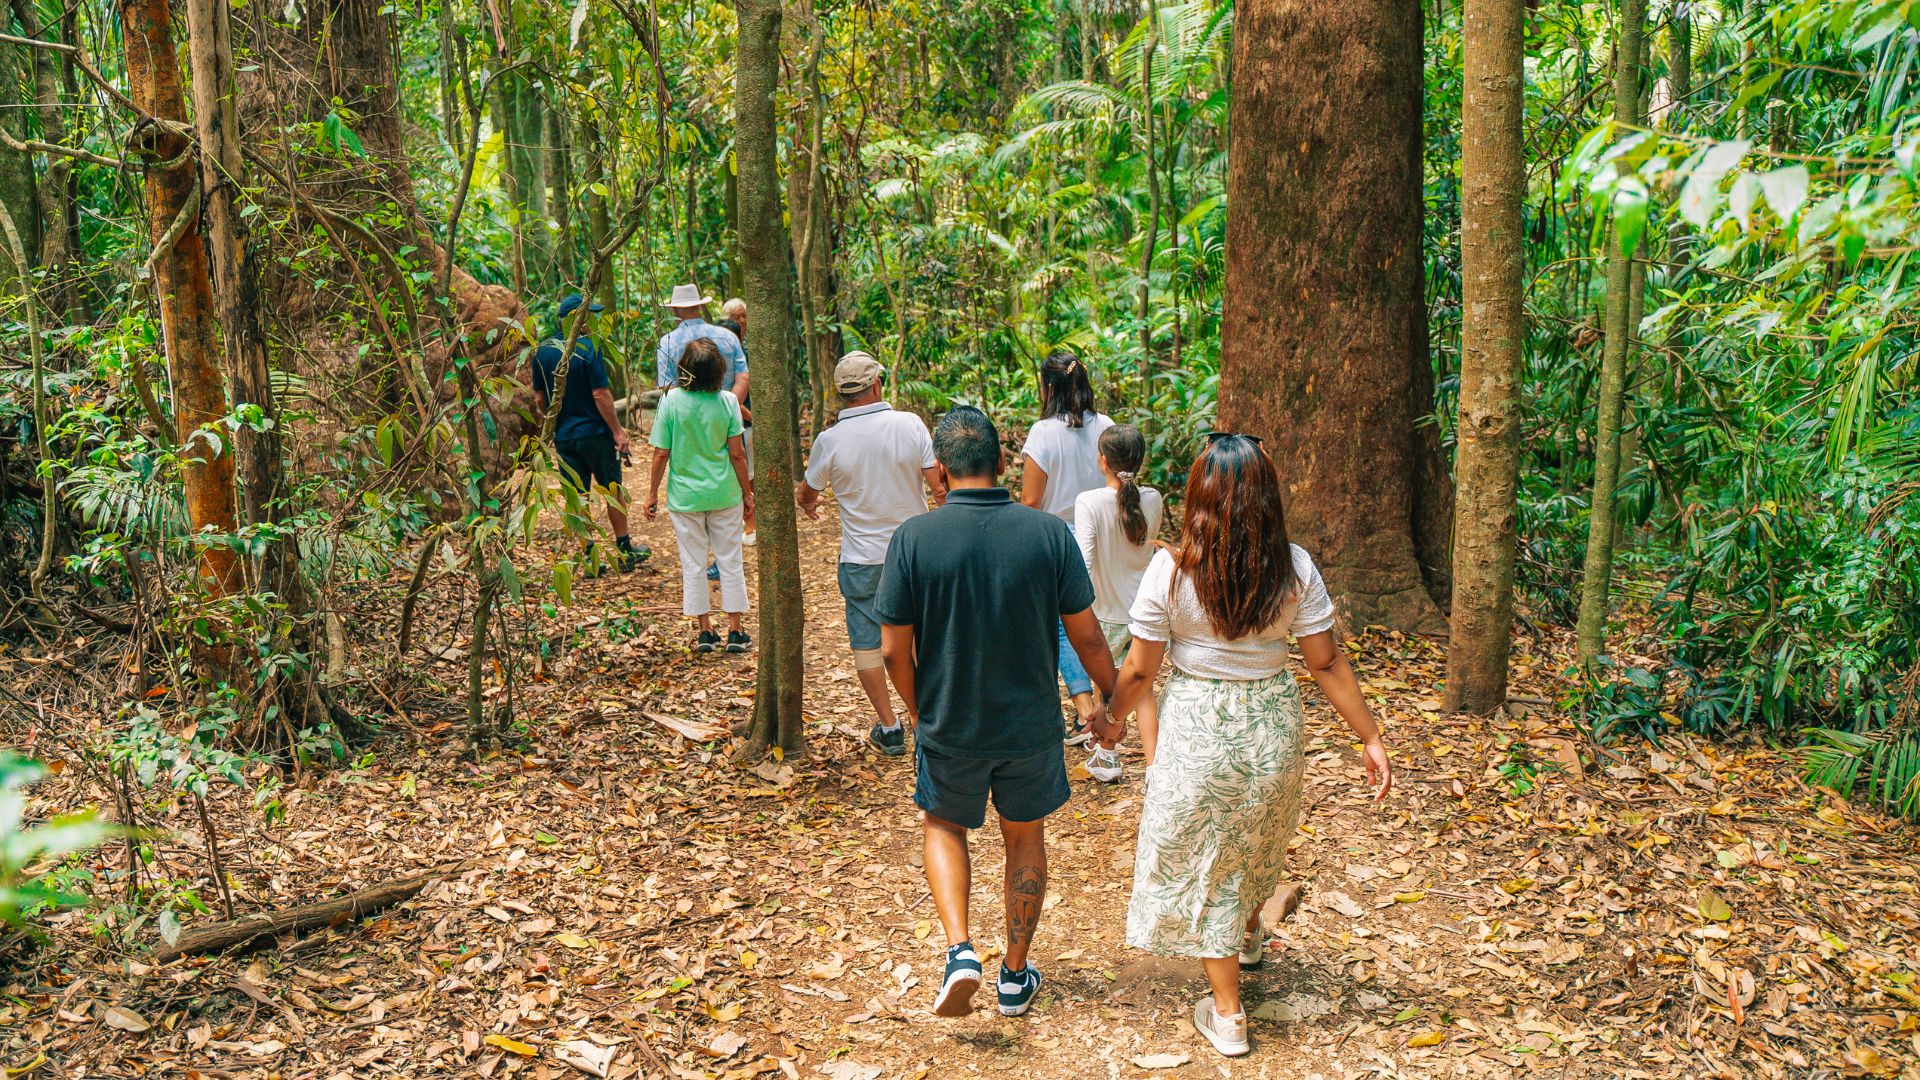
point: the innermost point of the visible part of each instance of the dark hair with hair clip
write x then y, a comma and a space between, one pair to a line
702, 368
1235, 550
1066, 391
1126, 451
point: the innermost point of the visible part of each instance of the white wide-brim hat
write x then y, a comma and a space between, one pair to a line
688, 296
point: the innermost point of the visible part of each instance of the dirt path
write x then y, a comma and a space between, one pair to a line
633, 899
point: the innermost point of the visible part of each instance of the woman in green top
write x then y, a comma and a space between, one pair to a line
697, 433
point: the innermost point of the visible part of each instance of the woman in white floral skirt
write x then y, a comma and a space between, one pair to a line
1223, 795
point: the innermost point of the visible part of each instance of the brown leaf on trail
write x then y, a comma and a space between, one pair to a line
693, 730
124, 1019
1163, 1061
590, 1058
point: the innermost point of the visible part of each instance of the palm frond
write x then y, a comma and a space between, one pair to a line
1885, 765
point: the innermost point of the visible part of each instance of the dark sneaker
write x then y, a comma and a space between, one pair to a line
1076, 732
713, 571
738, 641
629, 557
708, 641
963, 978
1017, 989
891, 743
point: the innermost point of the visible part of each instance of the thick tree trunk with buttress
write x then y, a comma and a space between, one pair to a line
1324, 337
1596, 580
777, 719
1493, 263
183, 288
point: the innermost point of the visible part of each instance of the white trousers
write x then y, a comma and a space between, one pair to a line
721, 532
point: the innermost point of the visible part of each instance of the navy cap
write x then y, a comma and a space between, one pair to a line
573, 301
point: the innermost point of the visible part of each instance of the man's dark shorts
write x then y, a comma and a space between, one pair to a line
592, 461
956, 788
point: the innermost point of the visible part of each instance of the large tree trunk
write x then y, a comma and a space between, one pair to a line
777, 717
16, 169
1493, 336
1596, 580
55, 189
1324, 333
345, 49
183, 288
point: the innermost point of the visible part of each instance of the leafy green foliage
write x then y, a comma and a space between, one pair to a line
27, 849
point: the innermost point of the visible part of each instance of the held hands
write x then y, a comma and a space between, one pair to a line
621, 443
1105, 728
652, 506
1379, 771
746, 503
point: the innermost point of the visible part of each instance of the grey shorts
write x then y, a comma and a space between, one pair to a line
859, 584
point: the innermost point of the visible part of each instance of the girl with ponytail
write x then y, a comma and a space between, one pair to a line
1116, 525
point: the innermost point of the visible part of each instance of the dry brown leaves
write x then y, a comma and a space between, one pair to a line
643, 907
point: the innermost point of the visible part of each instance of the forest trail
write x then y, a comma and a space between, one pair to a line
631, 899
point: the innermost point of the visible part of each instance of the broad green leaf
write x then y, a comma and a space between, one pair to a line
1785, 189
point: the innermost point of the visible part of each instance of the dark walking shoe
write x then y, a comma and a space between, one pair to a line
738, 641
963, 978
1017, 989
629, 557
1075, 732
707, 642
891, 743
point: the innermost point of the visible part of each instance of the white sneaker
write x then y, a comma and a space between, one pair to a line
1228, 1034
749, 538
1105, 765
1253, 948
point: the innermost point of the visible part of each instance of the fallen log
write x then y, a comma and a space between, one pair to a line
324, 913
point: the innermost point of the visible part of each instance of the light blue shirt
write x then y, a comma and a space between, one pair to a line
667, 360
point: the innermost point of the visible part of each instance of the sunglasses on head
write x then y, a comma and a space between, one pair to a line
1216, 436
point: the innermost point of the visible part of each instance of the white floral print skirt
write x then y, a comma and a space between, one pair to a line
1223, 798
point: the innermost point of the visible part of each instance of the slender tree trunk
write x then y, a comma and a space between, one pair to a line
777, 718
1596, 581
505, 121
1680, 62
1083, 12
55, 190
566, 258
1324, 334
16, 170
183, 288
22, 266
1148, 46
1493, 333
599, 223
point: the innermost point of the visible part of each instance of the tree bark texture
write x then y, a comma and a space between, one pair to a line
1494, 334
1596, 580
184, 289
16, 170
1324, 331
345, 49
55, 189
777, 716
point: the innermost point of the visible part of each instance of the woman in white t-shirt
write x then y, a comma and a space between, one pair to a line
1223, 794
1116, 526
1061, 459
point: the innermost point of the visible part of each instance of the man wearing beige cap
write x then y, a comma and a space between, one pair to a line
879, 464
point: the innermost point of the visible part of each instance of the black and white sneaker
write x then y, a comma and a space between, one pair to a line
707, 642
738, 641
963, 978
1075, 732
1017, 989
891, 743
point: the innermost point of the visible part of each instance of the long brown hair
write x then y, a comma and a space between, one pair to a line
1235, 549
1125, 450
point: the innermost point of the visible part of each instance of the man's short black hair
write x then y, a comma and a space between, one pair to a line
966, 442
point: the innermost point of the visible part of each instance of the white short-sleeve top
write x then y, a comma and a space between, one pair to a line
1170, 612
1070, 456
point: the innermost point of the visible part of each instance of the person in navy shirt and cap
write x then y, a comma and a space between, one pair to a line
587, 437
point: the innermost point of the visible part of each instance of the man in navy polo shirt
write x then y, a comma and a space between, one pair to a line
588, 437
969, 603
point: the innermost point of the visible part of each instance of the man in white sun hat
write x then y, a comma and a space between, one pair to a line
689, 306
880, 466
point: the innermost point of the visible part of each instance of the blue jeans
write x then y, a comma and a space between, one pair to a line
1071, 670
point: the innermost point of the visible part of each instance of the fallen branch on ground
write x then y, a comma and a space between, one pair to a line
228, 935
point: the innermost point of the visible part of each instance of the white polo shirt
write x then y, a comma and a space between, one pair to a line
871, 458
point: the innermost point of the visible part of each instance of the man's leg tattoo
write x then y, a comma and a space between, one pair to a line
1026, 893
